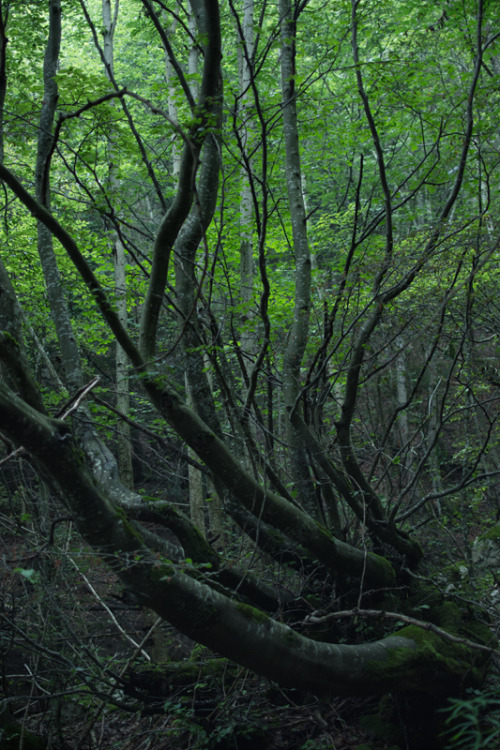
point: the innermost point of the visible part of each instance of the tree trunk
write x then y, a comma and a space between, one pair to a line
298, 335
123, 439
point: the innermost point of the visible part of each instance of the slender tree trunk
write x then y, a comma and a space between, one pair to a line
403, 426
4, 17
196, 494
57, 300
246, 208
298, 335
123, 439
194, 53
433, 411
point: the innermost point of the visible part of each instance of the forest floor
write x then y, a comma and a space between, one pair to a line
72, 675
307, 726
84, 667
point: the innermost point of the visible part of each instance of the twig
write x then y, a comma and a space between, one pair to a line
75, 401
355, 612
110, 613
104, 701
69, 407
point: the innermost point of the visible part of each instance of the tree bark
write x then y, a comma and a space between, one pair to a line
123, 438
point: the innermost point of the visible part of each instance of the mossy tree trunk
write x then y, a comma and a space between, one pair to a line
412, 659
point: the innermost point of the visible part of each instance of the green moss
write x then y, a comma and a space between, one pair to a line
290, 638
389, 572
447, 616
386, 576
479, 632
493, 534
199, 652
252, 613
431, 642
128, 525
449, 662
462, 623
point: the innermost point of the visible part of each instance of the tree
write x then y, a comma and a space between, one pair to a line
312, 452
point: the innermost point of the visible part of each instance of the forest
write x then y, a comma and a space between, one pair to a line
249, 382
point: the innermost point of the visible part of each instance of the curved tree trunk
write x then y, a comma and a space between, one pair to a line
413, 660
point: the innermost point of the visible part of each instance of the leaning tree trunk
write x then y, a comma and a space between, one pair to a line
412, 659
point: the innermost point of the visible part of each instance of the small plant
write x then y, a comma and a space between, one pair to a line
183, 724
473, 723
319, 743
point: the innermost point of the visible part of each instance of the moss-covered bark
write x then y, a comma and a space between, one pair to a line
408, 660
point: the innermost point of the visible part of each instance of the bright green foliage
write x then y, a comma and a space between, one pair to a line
473, 723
